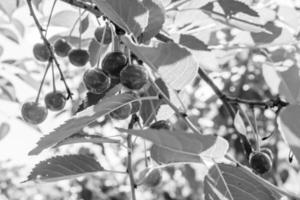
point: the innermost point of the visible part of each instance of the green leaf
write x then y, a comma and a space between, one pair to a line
8, 7
94, 51
232, 7
175, 64
4, 130
64, 167
9, 34
130, 15
207, 146
276, 35
286, 83
65, 18
289, 126
166, 156
85, 138
80, 120
239, 124
84, 24
19, 26
241, 183
155, 21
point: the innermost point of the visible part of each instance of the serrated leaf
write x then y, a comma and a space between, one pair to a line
166, 156
175, 64
155, 21
85, 138
207, 146
80, 120
212, 193
130, 15
65, 18
286, 83
289, 126
64, 167
232, 7
84, 24
241, 184
239, 124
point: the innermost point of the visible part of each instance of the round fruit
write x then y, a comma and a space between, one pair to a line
55, 101
153, 178
33, 112
79, 57
134, 77
99, 33
161, 124
260, 162
122, 112
41, 52
62, 47
96, 81
114, 62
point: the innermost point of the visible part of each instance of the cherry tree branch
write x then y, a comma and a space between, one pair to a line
47, 43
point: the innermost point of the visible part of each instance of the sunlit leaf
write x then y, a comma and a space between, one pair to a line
166, 156
232, 7
9, 34
8, 7
289, 126
130, 15
4, 130
155, 21
241, 183
65, 18
175, 64
64, 167
239, 124
207, 146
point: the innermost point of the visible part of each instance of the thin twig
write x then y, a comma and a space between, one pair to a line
129, 157
43, 80
47, 43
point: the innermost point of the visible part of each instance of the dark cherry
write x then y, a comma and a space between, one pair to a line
122, 112
114, 62
34, 113
79, 57
153, 178
161, 124
96, 81
55, 101
41, 52
260, 162
62, 47
134, 77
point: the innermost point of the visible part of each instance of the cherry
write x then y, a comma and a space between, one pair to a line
161, 124
134, 77
55, 101
96, 81
41, 52
260, 162
114, 62
33, 112
62, 47
99, 33
79, 57
122, 112
153, 178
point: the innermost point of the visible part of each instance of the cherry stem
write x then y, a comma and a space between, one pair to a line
50, 16
101, 43
115, 38
42, 82
80, 27
53, 77
129, 157
145, 146
47, 43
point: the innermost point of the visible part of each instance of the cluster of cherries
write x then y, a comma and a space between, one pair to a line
115, 67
